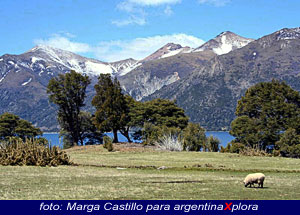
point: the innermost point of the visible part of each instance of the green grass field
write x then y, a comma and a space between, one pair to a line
131, 173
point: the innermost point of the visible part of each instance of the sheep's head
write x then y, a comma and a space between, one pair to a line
246, 184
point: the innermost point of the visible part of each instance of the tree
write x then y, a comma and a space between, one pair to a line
162, 112
194, 138
90, 134
266, 111
130, 117
152, 116
68, 92
289, 144
213, 144
12, 126
89, 131
111, 106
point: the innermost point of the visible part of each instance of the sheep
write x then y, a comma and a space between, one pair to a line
255, 178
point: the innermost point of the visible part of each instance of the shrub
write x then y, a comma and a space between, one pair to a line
233, 147
108, 143
289, 144
151, 134
194, 137
31, 153
170, 142
213, 144
248, 151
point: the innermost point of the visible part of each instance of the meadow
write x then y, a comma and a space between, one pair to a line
135, 172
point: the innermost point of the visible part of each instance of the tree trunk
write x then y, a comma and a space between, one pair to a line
115, 136
125, 133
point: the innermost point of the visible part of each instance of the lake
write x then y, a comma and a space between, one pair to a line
223, 136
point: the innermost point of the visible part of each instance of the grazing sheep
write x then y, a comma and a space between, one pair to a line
255, 178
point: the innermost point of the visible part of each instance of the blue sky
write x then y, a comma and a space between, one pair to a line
111, 30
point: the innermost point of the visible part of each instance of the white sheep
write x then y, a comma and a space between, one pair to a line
255, 178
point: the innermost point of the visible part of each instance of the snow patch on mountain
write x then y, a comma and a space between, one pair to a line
27, 82
129, 69
125, 66
35, 59
168, 50
224, 43
97, 69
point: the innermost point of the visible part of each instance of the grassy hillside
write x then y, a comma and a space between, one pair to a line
131, 173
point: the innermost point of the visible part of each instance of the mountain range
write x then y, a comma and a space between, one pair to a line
206, 81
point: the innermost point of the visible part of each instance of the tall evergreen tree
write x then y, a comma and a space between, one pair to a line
129, 120
111, 106
68, 92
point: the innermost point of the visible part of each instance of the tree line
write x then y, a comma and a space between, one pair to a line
267, 118
115, 112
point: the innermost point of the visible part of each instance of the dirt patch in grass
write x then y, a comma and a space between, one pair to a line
118, 147
174, 182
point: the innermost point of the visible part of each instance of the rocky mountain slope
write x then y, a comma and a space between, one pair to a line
206, 82
24, 79
153, 75
173, 62
210, 93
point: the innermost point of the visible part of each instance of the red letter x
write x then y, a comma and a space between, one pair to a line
228, 206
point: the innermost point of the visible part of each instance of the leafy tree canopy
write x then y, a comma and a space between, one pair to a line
68, 91
289, 144
266, 111
12, 126
161, 112
111, 106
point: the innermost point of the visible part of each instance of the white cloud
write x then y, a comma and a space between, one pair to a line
136, 10
217, 3
140, 48
153, 2
168, 11
129, 21
64, 42
115, 50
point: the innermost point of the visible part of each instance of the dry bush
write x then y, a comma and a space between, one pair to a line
170, 142
247, 151
31, 153
108, 143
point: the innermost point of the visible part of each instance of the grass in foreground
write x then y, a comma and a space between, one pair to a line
188, 176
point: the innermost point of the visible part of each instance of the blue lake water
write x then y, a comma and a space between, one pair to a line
223, 136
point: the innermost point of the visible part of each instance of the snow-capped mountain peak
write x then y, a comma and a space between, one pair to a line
55, 57
168, 50
224, 43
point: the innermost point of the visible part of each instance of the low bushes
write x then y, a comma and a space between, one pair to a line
241, 149
194, 138
233, 147
170, 142
191, 138
108, 143
31, 153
